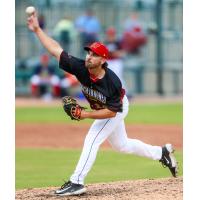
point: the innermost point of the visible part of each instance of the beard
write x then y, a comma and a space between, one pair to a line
90, 65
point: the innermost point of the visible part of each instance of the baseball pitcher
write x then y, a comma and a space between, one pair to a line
103, 90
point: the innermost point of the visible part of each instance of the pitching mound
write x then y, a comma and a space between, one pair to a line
155, 189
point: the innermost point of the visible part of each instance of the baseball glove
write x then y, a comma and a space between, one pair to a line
72, 108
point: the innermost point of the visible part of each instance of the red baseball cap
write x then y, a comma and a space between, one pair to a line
98, 48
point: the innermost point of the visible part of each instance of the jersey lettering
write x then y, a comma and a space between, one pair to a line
93, 94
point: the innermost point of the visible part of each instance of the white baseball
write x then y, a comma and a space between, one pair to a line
30, 10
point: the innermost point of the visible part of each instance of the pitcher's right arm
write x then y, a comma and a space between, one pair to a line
51, 45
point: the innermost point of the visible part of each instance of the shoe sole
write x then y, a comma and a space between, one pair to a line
81, 191
173, 159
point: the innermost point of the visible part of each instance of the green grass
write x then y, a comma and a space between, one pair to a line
145, 114
43, 167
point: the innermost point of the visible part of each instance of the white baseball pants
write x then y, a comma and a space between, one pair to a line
112, 129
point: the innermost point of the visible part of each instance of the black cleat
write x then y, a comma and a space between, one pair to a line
168, 159
69, 188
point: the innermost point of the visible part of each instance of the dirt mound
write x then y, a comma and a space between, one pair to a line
156, 189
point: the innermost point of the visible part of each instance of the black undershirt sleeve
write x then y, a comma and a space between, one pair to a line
70, 64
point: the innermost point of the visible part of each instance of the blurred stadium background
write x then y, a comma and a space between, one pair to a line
158, 71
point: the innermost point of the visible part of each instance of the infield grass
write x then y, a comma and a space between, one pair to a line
145, 114
45, 167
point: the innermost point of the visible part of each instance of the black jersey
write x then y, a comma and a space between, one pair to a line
102, 93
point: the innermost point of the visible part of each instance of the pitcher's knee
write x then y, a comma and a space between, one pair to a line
123, 148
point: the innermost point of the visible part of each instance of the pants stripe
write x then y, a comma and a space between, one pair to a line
91, 148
